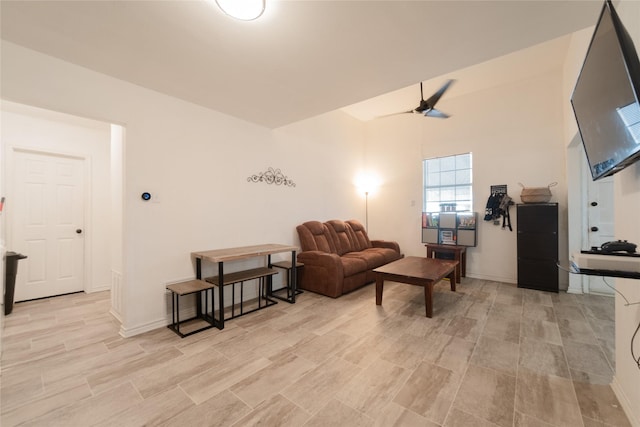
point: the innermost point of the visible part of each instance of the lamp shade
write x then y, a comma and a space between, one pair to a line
367, 183
245, 10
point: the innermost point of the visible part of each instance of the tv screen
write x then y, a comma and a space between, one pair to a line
605, 98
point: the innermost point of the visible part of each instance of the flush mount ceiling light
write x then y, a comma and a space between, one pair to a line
245, 10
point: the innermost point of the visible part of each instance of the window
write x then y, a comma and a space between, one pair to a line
448, 183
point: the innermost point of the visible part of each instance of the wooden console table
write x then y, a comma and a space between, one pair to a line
221, 256
459, 254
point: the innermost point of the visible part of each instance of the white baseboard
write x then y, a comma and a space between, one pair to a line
116, 315
624, 401
186, 313
492, 278
141, 329
99, 289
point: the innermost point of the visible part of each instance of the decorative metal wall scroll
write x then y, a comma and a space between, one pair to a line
272, 176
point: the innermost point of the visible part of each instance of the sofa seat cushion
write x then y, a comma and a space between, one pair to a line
353, 265
372, 257
389, 255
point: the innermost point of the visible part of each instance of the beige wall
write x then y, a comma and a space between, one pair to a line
627, 207
515, 132
197, 162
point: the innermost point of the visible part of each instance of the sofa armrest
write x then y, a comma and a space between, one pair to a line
330, 262
386, 244
323, 273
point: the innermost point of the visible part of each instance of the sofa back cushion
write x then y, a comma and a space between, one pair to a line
360, 237
342, 236
314, 236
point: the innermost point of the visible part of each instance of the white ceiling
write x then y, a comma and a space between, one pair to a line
302, 58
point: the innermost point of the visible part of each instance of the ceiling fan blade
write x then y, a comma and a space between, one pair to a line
436, 96
426, 107
436, 113
395, 114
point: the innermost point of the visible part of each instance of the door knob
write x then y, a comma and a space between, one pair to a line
594, 228
79, 230
594, 203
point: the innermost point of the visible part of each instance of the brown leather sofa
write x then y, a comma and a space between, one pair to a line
338, 256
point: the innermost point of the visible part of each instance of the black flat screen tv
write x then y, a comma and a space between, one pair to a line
605, 98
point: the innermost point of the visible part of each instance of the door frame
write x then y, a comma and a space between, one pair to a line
596, 285
576, 210
578, 176
10, 152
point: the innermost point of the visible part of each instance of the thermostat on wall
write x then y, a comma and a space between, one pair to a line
146, 196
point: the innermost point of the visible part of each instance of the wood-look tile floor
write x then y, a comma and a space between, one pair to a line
492, 355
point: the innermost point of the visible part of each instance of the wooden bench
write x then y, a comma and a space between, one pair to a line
260, 273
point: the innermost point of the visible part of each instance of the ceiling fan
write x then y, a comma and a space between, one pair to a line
427, 107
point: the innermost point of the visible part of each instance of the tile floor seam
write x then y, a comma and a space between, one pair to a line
611, 366
404, 383
462, 377
385, 323
242, 400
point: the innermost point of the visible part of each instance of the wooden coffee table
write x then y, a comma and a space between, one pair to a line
418, 271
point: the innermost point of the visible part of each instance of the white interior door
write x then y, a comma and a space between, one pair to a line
600, 225
47, 224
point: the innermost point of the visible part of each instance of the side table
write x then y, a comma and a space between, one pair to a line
187, 288
459, 254
292, 278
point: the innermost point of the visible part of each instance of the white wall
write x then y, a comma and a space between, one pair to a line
117, 182
197, 162
627, 207
627, 378
576, 166
626, 382
33, 128
515, 132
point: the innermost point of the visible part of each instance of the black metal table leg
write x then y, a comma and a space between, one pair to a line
293, 278
270, 283
173, 311
178, 314
221, 295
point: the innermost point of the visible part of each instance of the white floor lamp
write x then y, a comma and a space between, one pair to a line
366, 211
366, 183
